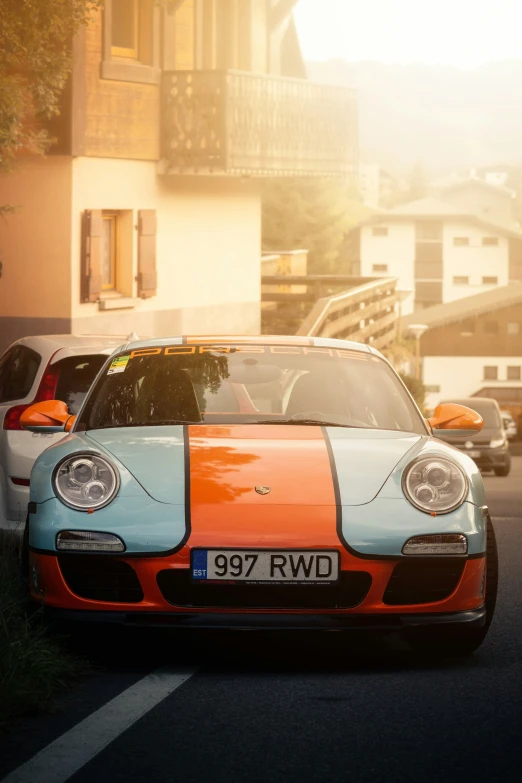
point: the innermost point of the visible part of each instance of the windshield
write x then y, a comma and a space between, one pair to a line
249, 384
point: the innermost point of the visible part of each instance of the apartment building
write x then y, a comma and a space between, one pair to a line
442, 250
146, 214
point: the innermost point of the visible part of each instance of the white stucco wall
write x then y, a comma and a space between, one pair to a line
474, 261
35, 239
462, 376
208, 245
397, 250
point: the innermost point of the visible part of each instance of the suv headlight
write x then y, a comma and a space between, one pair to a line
85, 481
496, 443
435, 485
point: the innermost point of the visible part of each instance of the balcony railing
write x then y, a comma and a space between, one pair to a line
235, 123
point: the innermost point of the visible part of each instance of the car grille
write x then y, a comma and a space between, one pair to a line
422, 581
178, 589
101, 578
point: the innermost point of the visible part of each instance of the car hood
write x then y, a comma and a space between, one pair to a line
299, 465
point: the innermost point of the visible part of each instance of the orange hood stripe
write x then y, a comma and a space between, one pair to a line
228, 462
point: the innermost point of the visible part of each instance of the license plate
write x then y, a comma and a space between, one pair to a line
473, 453
261, 566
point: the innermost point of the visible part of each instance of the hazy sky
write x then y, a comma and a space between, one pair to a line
460, 32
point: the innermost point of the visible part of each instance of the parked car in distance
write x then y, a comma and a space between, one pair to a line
35, 369
509, 425
260, 482
489, 448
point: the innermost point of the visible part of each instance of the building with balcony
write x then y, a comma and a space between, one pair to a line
145, 215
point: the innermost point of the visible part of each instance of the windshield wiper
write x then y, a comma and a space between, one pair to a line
305, 422
164, 423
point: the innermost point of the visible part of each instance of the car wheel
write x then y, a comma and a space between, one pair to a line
459, 641
504, 470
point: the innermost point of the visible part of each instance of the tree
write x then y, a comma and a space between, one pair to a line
314, 214
35, 60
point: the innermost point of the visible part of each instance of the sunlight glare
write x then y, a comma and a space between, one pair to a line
465, 33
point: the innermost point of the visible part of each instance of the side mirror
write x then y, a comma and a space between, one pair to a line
48, 416
455, 419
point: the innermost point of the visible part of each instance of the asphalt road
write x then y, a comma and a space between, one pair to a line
276, 708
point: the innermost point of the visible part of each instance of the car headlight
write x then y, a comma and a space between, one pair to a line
435, 485
496, 443
85, 481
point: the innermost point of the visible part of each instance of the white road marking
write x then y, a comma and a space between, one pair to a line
61, 759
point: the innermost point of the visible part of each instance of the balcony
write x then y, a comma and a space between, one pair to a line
245, 124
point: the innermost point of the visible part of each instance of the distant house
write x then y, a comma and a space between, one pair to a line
445, 250
490, 200
376, 185
146, 214
473, 347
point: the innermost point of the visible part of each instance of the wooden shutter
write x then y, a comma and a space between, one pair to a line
147, 278
92, 230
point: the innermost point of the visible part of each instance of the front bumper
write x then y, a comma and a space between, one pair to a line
383, 623
388, 596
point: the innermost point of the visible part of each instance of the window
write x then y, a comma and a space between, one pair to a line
467, 327
490, 281
490, 241
428, 292
109, 251
75, 377
428, 261
513, 328
125, 28
18, 369
460, 280
513, 373
380, 231
131, 41
491, 327
490, 373
107, 262
428, 231
461, 241
380, 268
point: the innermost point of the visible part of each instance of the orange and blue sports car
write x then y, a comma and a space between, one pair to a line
265, 482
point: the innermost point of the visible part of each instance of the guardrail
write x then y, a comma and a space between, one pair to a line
363, 313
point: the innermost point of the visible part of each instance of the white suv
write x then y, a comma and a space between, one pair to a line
34, 369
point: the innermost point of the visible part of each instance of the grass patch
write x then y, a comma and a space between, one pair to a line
33, 666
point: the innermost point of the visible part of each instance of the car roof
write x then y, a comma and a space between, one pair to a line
59, 346
75, 340
263, 339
